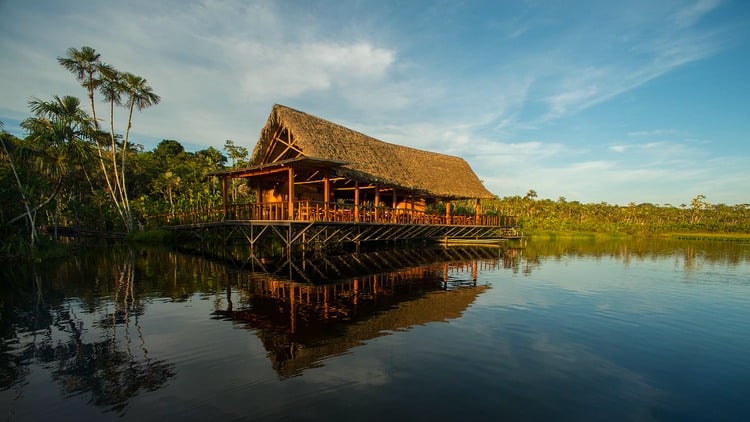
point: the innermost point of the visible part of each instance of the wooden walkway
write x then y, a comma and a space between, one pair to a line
317, 223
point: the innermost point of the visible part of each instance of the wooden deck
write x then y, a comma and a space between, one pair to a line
316, 211
310, 223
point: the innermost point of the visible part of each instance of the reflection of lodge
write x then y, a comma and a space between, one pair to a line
316, 181
317, 268
300, 324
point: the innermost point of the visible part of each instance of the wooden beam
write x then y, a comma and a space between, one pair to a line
377, 202
224, 197
326, 193
288, 147
291, 194
256, 173
271, 143
360, 187
447, 212
312, 182
356, 201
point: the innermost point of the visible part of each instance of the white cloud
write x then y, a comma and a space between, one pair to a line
282, 71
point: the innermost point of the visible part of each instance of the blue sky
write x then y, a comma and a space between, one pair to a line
637, 101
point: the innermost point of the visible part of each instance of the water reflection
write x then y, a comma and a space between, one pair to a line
301, 324
80, 320
102, 355
157, 333
688, 255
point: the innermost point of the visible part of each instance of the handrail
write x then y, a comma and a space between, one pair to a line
312, 211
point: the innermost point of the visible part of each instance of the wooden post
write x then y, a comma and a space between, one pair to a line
258, 201
393, 208
356, 201
478, 212
224, 196
411, 208
326, 194
291, 193
377, 202
447, 212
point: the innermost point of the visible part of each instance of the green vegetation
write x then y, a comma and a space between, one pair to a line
69, 172
545, 217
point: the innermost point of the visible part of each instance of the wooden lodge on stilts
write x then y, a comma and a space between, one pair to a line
315, 181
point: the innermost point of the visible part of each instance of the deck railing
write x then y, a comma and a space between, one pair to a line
326, 211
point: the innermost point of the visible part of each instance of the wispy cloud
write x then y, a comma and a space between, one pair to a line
629, 55
689, 15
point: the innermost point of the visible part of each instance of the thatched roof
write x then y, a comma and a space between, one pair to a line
371, 160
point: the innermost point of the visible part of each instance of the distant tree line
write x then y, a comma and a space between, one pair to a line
699, 216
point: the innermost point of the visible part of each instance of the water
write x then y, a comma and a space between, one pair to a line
581, 330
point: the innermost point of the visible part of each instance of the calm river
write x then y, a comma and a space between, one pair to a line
579, 330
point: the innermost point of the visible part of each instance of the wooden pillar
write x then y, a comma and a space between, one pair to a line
377, 202
326, 307
410, 205
326, 194
291, 194
224, 196
394, 218
447, 212
478, 212
356, 201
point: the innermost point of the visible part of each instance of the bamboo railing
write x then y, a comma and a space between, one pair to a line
310, 211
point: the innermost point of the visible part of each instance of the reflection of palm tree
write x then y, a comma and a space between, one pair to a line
107, 370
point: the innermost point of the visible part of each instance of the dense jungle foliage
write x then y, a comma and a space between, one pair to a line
699, 216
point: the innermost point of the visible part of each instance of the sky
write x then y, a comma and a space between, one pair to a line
594, 101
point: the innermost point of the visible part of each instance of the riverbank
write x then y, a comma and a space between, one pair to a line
552, 235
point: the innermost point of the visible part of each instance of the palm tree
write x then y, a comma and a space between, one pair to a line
112, 88
24, 200
57, 133
88, 69
140, 96
84, 64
